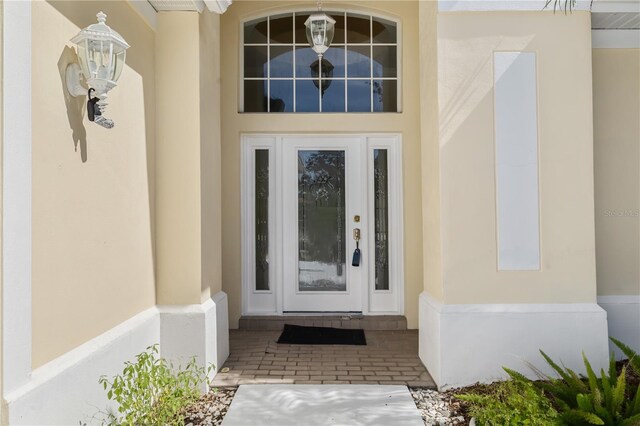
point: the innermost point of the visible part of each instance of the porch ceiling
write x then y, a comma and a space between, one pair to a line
615, 21
217, 6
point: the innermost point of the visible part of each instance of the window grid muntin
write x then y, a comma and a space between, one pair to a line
345, 45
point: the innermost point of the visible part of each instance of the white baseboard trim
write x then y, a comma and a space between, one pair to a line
196, 330
66, 390
464, 344
623, 314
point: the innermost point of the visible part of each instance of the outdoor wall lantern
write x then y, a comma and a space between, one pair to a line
101, 53
320, 30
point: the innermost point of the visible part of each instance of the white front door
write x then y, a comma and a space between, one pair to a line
303, 196
323, 195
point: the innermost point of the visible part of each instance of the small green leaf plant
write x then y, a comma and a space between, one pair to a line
634, 358
593, 400
151, 391
511, 403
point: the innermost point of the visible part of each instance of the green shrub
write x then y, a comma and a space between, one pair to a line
509, 403
634, 358
592, 400
150, 391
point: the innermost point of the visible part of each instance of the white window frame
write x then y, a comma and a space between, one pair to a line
293, 11
270, 302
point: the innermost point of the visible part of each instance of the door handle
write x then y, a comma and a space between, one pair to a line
356, 253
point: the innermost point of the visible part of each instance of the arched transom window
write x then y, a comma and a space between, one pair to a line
359, 72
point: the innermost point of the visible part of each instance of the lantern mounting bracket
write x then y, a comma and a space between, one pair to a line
73, 77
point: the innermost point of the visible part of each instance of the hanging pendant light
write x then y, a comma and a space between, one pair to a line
320, 30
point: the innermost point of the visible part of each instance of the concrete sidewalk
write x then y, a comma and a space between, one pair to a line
322, 405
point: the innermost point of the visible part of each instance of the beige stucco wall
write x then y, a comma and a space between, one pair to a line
430, 150
188, 157
616, 113
2, 410
210, 161
466, 42
407, 123
92, 215
178, 159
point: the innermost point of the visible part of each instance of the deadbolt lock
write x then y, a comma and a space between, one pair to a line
356, 218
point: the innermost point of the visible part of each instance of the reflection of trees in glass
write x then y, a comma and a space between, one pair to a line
262, 218
321, 207
381, 219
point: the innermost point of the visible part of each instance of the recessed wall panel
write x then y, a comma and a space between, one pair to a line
516, 145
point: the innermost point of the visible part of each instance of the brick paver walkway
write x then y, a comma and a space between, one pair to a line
390, 357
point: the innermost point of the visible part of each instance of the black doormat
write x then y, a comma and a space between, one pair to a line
300, 335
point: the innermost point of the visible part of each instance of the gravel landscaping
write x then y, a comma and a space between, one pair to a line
210, 408
436, 408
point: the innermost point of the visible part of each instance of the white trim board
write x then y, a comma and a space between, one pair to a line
16, 192
507, 335
196, 330
615, 39
623, 315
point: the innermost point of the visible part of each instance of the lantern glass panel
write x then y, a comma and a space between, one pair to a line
320, 34
118, 65
82, 58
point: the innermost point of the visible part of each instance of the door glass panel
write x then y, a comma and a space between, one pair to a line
307, 96
262, 218
381, 198
255, 31
281, 61
358, 95
255, 61
281, 96
281, 29
385, 95
321, 221
358, 29
384, 61
333, 97
358, 61
255, 95
383, 31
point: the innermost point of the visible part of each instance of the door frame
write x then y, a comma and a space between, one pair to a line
271, 302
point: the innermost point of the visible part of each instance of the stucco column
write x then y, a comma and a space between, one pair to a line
506, 277
178, 201
193, 309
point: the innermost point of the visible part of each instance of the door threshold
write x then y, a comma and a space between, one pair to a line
315, 319
323, 313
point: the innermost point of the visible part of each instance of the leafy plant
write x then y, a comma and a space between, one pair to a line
589, 401
512, 402
634, 358
150, 391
